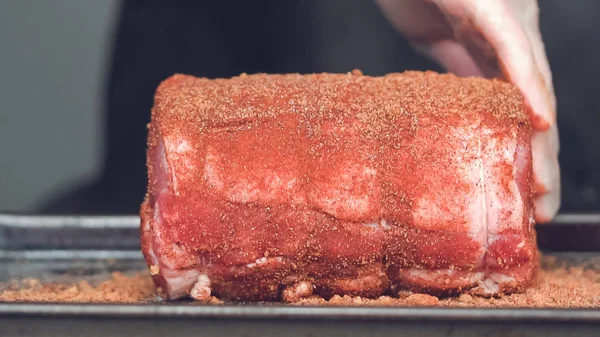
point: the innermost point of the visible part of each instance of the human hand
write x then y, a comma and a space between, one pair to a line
493, 38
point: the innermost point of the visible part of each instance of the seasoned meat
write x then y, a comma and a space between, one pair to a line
275, 187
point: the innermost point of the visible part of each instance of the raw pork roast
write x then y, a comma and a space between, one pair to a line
276, 187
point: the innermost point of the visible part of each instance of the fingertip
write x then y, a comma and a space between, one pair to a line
538, 122
538, 102
547, 206
546, 169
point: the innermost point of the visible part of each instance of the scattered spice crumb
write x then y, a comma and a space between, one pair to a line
556, 287
571, 287
119, 288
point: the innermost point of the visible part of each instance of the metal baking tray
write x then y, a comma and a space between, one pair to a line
48, 247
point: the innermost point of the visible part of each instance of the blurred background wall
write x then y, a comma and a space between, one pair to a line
55, 57
52, 61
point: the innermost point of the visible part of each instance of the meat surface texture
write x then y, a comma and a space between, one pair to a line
277, 187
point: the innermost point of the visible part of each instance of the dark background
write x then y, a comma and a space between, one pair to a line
154, 39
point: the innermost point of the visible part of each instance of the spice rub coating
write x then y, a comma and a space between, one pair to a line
279, 186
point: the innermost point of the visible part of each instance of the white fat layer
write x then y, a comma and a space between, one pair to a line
158, 240
436, 206
171, 170
264, 260
491, 285
303, 288
201, 290
340, 199
501, 278
242, 190
384, 224
297, 291
502, 196
212, 177
380, 224
493, 237
151, 253
437, 275
179, 282
483, 201
183, 147
178, 154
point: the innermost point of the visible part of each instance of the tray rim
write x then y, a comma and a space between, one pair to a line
319, 313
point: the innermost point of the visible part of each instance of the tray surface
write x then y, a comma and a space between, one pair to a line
64, 249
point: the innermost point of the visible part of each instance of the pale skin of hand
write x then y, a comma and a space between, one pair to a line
493, 38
